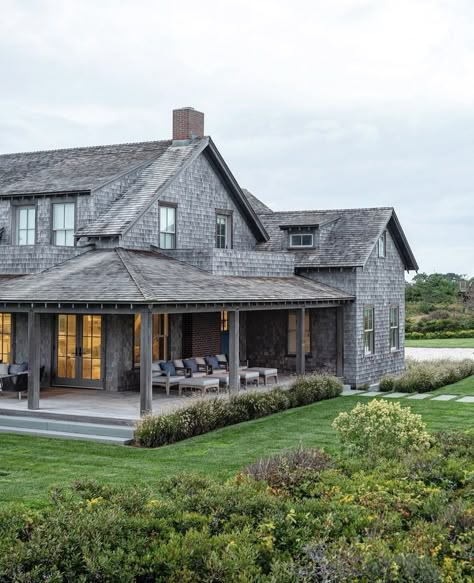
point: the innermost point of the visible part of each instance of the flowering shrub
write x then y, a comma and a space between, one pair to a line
381, 429
330, 520
428, 375
209, 414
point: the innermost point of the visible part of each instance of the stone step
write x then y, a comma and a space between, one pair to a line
65, 435
13, 423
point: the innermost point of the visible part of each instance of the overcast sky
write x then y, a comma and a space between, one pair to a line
314, 104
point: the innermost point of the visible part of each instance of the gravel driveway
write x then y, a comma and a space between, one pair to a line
438, 353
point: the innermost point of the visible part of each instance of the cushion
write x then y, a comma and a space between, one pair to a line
4, 369
191, 364
178, 363
212, 361
155, 366
221, 357
168, 367
200, 361
16, 368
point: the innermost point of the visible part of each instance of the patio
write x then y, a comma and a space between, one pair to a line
123, 406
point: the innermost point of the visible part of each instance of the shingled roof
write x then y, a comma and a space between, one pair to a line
119, 276
73, 169
347, 236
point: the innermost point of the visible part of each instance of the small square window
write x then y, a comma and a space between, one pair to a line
301, 240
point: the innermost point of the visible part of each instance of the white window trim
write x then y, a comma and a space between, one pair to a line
165, 231
228, 230
54, 231
18, 210
369, 331
391, 328
302, 246
382, 245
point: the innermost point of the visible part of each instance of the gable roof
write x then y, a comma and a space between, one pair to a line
120, 276
347, 236
73, 169
258, 206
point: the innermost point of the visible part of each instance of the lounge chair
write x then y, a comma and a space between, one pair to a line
266, 373
245, 376
164, 374
14, 377
202, 384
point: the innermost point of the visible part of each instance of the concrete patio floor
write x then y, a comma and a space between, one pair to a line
100, 404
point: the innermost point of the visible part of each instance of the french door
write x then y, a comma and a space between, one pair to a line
79, 350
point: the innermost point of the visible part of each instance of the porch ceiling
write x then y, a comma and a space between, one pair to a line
131, 277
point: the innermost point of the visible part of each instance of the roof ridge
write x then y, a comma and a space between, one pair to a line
373, 208
78, 148
120, 251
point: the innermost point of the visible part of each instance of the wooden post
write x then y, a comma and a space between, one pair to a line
340, 342
146, 356
300, 348
34, 343
234, 353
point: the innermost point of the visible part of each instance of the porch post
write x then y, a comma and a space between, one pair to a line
34, 344
300, 351
146, 356
234, 354
340, 341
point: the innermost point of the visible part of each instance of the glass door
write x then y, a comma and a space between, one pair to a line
78, 351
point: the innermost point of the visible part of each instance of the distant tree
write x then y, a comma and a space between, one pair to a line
436, 288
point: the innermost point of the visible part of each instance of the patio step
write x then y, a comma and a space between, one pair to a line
66, 429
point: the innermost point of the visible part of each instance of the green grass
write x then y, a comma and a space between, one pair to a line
441, 343
29, 466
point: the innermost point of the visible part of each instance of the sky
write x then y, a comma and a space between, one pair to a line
313, 104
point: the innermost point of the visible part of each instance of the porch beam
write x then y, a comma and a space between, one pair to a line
234, 350
340, 342
146, 357
300, 348
34, 343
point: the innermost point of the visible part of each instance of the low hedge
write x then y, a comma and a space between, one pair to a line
209, 414
437, 335
425, 376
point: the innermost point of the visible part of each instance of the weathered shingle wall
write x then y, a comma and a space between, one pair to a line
16, 259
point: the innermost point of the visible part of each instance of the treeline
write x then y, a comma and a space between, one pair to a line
436, 288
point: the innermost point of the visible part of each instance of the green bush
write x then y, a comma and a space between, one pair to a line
313, 519
381, 429
439, 335
428, 375
387, 383
209, 414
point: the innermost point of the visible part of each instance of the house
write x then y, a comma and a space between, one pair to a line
114, 256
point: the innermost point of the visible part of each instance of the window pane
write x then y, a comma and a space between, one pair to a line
69, 238
60, 238
58, 216
307, 240
69, 215
23, 218
171, 220
31, 218
22, 237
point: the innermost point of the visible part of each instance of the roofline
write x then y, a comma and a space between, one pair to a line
75, 192
252, 217
402, 245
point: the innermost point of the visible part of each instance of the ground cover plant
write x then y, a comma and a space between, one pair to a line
208, 415
302, 516
428, 375
29, 466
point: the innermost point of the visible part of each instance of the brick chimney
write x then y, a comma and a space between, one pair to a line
187, 124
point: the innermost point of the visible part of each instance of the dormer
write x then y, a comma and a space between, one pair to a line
301, 237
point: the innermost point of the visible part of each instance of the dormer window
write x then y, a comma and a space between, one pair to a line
301, 240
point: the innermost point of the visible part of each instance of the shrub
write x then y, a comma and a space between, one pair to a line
387, 383
284, 471
440, 335
381, 429
428, 375
209, 414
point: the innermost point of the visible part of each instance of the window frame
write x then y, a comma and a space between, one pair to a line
172, 234
228, 223
161, 338
54, 231
382, 245
4, 355
16, 230
293, 331
369, 332
301, 234
394, 347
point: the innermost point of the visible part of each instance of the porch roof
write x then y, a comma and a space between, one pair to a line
125, 277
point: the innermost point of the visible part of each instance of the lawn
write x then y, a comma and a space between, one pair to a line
441, 343
29, 466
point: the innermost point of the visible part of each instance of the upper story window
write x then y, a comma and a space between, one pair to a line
25, 225
63, 223
369, 338
301, 240
223, 231
167, 227
382, 245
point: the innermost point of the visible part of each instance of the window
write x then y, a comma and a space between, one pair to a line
224, 321
394, 328
160, 338
382, 245
167, 227
5, 338
301, 240
292, 333
25, 225
369, 346
223, 231
63, 224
